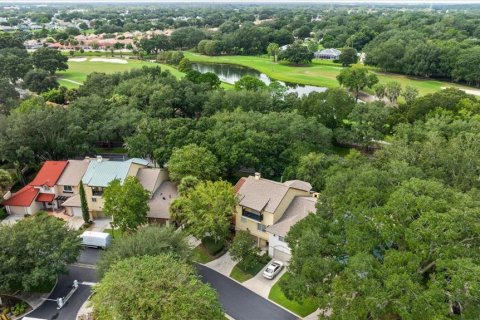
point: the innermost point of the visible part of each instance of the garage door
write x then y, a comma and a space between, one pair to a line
77, 211
280, 255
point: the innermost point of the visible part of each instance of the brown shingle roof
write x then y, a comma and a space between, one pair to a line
298, 209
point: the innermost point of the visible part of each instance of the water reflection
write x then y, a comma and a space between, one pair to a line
232, 73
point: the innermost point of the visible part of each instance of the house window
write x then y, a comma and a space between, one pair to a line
244, 220
281, 239
94, 199
97, 191
261, 227
67, 189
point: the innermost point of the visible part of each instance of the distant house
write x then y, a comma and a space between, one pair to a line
100, 172
68, 186
267, 209
40, 194
328, 54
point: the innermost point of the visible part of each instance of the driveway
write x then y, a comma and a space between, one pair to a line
260, 285
239, 302
84, 272
224, 264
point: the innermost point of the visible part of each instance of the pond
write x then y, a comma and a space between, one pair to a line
230, 73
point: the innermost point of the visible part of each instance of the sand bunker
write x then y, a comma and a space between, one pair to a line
77, 59
121, 61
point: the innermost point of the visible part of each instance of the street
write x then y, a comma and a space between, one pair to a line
83, 271
239, 302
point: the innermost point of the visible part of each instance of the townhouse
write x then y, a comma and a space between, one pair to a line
267, 209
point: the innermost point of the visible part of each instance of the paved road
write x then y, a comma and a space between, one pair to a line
81, 271
241, 303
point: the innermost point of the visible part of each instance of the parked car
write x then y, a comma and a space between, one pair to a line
96, 239
273, 269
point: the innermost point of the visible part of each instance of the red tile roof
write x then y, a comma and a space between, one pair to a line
240, 183
23, 198
49, 173
45, 197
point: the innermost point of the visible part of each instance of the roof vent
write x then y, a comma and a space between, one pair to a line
99, 158
257, 175
316, 195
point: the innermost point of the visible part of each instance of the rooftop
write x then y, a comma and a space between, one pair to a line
262, 194
160, 202
101, 173
148, 178
49, 173
73, 173
298, 209
23, 198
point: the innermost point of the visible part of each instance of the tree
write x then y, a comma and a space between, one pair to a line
186, 38
6, 181
250, 83
14, 63
126, 203
393, 90
410, 94
206, 210
356, 79
39, 81
380, 90
243, 248
313, 168
133, 289
465, 67
147, 241
84, 204
49, 60
348, 56
192, 160
184, 65
35, 251
7, 92
273, 49
385, 244
296, 53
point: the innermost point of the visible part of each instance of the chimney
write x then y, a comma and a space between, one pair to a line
99, 158
257, 175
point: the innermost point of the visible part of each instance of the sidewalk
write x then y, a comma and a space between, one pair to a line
223, 265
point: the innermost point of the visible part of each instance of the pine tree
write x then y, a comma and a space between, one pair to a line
84, 204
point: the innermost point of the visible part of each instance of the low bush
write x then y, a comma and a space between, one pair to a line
213, 247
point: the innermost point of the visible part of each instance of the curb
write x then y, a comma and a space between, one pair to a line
278, 305
35, 308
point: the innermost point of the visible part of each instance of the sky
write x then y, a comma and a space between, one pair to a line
3, 2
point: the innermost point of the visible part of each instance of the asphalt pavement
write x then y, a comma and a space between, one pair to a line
83, 271
241, 303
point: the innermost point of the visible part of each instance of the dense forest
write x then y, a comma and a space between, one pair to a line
396, 234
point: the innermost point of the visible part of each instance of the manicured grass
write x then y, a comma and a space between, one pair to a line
200, 254
116, 233
302, 309
242, 273
78, 71
320, 73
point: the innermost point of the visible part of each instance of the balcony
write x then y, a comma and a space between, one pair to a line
252, 215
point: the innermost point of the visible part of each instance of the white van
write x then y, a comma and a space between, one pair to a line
96, 239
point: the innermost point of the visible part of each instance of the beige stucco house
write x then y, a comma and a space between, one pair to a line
263, 203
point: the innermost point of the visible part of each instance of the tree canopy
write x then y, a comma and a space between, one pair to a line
154, 287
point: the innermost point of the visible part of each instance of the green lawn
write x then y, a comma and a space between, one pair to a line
302, 309
200, 254
320, 73
116, 233
79, 70
238, 273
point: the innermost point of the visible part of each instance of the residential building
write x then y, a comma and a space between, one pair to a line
298, 209
263, 203
68, 186
100, 172
40, 194
328, 54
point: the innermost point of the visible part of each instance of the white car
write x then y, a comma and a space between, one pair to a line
273, 269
